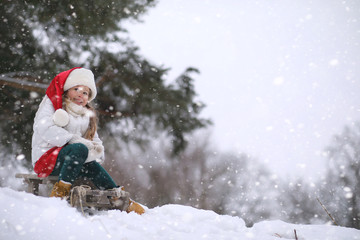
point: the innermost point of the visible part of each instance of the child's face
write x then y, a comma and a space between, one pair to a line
79, 94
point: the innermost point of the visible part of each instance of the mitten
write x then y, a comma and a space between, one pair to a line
95, 153
77, 139
98, 148
61, 118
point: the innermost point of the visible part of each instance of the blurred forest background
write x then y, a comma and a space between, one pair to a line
157, 144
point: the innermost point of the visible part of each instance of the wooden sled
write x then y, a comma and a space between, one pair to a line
84, 197
81, 196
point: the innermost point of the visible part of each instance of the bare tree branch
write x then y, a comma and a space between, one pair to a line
22, 84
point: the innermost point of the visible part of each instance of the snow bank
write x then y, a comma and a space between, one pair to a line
25, 216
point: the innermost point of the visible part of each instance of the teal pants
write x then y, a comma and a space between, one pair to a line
70, 165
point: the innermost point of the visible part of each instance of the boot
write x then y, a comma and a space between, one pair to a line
135, 207
61, 189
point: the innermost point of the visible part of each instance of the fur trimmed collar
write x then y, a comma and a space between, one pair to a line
77, 110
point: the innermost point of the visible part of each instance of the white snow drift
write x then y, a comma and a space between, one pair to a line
25, 216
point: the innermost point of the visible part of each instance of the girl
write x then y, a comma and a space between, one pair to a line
65, 142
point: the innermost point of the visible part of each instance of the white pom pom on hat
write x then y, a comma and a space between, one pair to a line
61, 117
81, 76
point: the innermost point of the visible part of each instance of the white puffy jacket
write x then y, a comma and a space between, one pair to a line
48, 135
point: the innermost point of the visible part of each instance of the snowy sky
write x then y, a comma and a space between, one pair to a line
279, 78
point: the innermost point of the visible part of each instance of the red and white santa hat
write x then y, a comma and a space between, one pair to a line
63, 82
81, 76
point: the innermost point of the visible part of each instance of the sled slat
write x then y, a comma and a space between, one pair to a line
33, 181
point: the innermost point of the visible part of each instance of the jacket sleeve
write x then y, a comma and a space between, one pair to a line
94, 154
46, 128
99, 142
97, 139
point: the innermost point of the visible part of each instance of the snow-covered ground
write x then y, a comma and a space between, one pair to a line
25, 216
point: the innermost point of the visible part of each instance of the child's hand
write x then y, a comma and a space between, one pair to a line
77, 139
98, 148
96, 153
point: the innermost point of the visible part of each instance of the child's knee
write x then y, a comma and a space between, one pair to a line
80, 150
